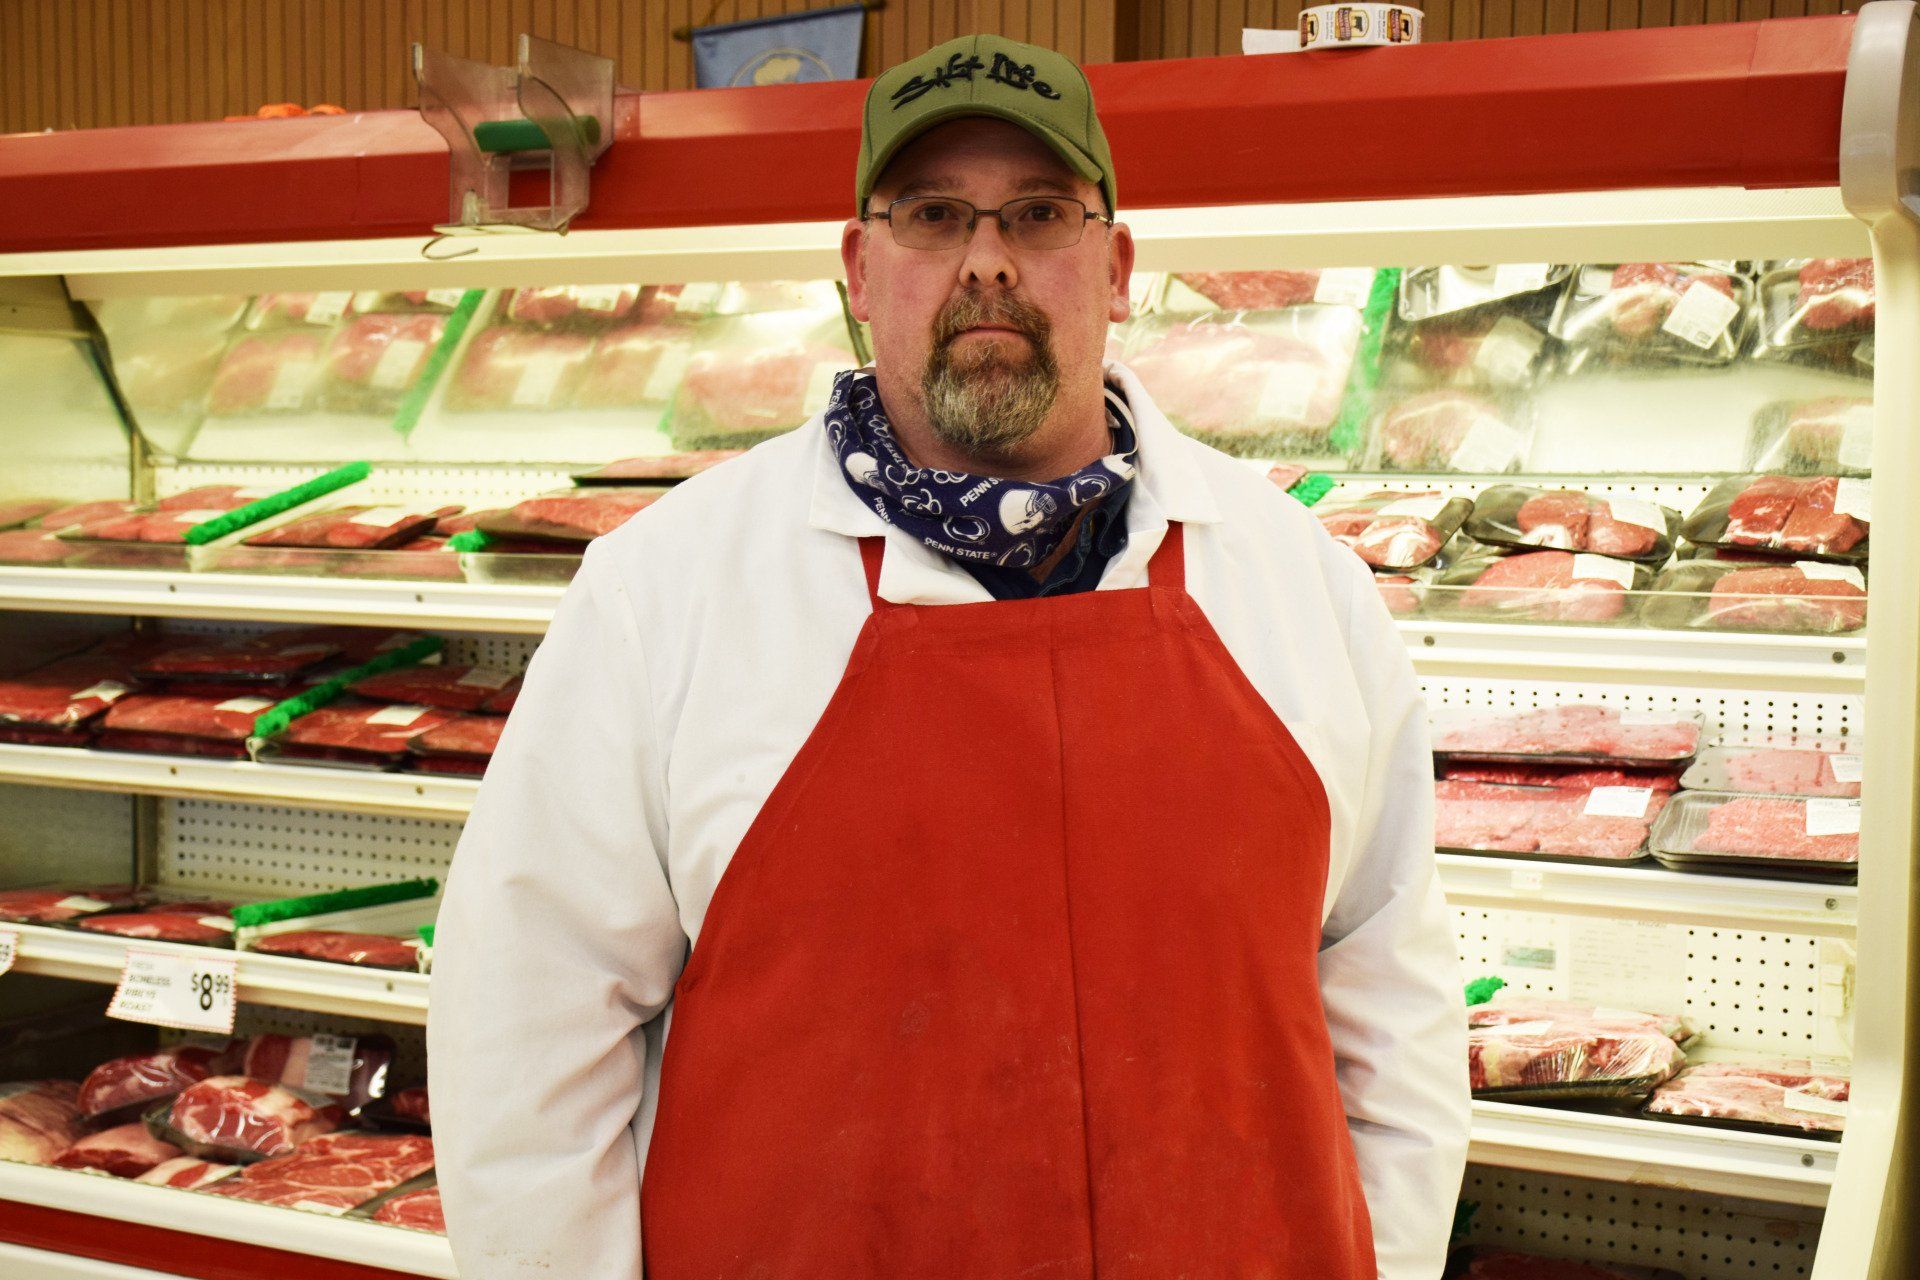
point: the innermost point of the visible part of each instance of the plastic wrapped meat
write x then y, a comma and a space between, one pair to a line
353, 730
1785, 598
371, 950
64, 694
1654, 312
187, 1173
584, 303
570, 515
657, 467
1555, 821
1449, 431
1825, 517
247, 1118
1763, 827
374, 359
508, 368
38, 1120
125, 1151
637, 365
1645, 293
736, 394
167, 520
475, 736
1547, 1049
1835, 294
1574, 732
32, 546
1829, 436
450, 687
359, 527
15, 512
332, 1173
58, 905
419, 1210
199, 923
350, 1069
273, 655
1780, 1093
412, 1104
1782, 767
1580, 778
1547, 586
184, 723
1394, 531
320, 309
132, 1082
1253, 290
84, 513
266, 373
1571, 520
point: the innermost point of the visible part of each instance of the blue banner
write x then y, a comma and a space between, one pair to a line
791, 49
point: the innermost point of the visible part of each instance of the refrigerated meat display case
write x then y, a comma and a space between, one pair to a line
1582, 313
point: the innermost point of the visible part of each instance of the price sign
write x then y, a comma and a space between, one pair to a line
9, 947
185, 992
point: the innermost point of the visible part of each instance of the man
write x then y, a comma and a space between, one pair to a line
1043, 797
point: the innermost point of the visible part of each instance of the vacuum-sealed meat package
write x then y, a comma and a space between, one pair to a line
571, 515
124, 1151
356, 527
33, 546
271, 656
126, 1087
64, 694
1541, 586
1703, 831
1452, 431
753, 377
206, 924
1821, 518
374, 360
240, 1119
1654, 313
474, 736
351, 1070
353, 731
590, 306
450, 687
1829, 436
182, 724
1809, 301
1791, 1096
1567, 1052
1779, 765
167, 520
279, 310
657, 467
59, 904
1570, 520
78, 514
1806, 597
38, 1120
187, 1173
1576, 777
332, 1173
15, 512
637, 366
267, 373
1573, 733
520, 369
1602, 824
1266, 290
368, 950
1393, 530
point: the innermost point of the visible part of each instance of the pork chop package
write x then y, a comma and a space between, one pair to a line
1829, 436
637, 366
1394, 531
1821, 518
510, 368
355, 731
1449, 430
1781, 765
1570, 520
332, 1173
448, 686
1793, 836
374, 360
61, 904
238, 1119
1531, 1050
1792, 1096
1488, 1262
1197, 291
1253, 383
753, 377
570, 516
354, 527
1654, 313
1805, 597
267, 373
656, 468
1573, 733
64, 696
124, 1088
1540, 586
1606, 825
39, 1119
124, 1151
461, 746
338, 946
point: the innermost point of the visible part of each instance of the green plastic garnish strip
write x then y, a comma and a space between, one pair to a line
251, 914
426, 934
470, 540
1481, 990
1345, 437
276, 718
1312, 487
287, 499
506, 136
407, 416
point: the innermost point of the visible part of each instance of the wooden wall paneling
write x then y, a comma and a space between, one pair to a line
1623, 13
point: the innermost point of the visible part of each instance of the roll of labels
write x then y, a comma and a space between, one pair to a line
1358, 26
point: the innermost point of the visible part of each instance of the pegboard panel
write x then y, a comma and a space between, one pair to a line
1700, 1237
509, 653
1680, 494
272, 852
1730, 713
394, 482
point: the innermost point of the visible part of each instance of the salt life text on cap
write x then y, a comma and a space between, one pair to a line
1042, 91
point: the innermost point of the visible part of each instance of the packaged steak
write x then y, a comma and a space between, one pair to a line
1571, 520
753, 377
1812, 301
434, 301
167, 520
1659, 313
355, 527
356, 731
417, 1210
1257, 384
1403, 593
38, 1120
238, 1119
182, 724
637, 366
332, 1173
269, 657
472, 737
656, 468
1506, 288
187, 1173
123, 1088
15, 512
1573, 733
1488, 1262
374, 360
1782, 765
1392, 530
1806, 597
65, 694
1818, 518
1450, 430
59, 904
412, 1104
1607, 825
1541, 586
588, 306
1538, 1050
77, 514
281, 310
1791, 1096
166, 371
1795, 836
450, 687
1829, 436
367, 950
571, 515
349, 1070
206, 924
519, 369
124, 1151
267, 373
33, 546
1195, 291
1581, 778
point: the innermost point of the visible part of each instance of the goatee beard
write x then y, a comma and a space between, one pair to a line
986, 401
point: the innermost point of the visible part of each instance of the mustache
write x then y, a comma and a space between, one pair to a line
972, 309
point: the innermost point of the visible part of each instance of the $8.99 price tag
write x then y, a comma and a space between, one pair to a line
185, 992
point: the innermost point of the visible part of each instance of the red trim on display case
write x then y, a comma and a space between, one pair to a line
178, 1253
1753, 104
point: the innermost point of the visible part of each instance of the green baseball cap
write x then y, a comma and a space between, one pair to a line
1042, 91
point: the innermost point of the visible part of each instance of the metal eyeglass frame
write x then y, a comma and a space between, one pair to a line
886, 215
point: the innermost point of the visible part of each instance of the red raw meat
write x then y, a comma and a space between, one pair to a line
1755, 1093
274, 655
1285, 475
1785, 771
290, 308
244, 1115
38, 1120
142, 1078
168, 744
1213, 378
334, 1173
373, 950
1383, 538
571, 515
360, 354
1645, 293
351, 528
205, 927
1567, 777
289, 1060
64, 694
250, 375
1576, 729
451, 688
464, 736
59, 905
125, 1151
1506, 1264
503, 702
1423, 433
419, 1210
412, 1104
637, 365
1540, 585
1569, 520
1548, 820
1783, 598
1253, 290
18, 511
352, 729
83, 513
514, 369
32, 546
169, 519
454, 766
1755, 827
1836, 293
187, 1173
208, 497
751, 391
1533, 1044
186, 715
556, 304
1792, 515
664, 466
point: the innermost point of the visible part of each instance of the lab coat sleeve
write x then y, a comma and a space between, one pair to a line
1389, 971
558, 938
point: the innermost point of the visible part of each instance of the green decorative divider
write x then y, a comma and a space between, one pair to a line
252, 914
240, 517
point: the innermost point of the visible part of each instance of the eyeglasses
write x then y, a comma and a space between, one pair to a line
941, 222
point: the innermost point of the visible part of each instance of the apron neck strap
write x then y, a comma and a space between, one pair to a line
1167, 568
871, 549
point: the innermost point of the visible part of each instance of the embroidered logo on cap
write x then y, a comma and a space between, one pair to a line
958, 67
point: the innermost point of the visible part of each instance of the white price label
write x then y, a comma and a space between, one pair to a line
665, 378
1344, 286
1815, 571
448, 298
190, 518
185, 992
819, 388
255, 492
1507, 352
538, 381
290, 383
1846, 767
401, 714
1701, 316
1854, 497
1827, 816
1519, 277
1587, 566
1288, 393
329, 1065
381, 517
328, 307
486, 678
9, 948
1618, 802
106, 691
697, 297
1856, 439
245, 706
1812, 1103
1423, 506
1634, 511
397, 363
1489, 445
82, 903
604, 298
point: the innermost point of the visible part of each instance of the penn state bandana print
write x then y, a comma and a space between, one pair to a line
987, 519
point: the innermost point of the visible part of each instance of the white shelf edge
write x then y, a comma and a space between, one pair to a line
296, 1231
284, 982
411, 795
1654, 1153
1804, 907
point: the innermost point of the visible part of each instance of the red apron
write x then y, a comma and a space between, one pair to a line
1014, 975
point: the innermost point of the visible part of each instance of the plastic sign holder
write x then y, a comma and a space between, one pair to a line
552, 111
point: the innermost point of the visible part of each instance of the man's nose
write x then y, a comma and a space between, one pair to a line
989, 259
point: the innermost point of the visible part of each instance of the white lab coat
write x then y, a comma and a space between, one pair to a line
684, 668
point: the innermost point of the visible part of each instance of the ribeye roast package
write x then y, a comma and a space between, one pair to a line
1539, 586
1393, 530
123, 1088
1822, 518
332, 1173
1791, 1096
1779, 764
1572, 733
1819, 312
1572, 520
1449, 430
1526, 1049
1805, 597
239, 1119
1654, 313
1707, 831
1599, 824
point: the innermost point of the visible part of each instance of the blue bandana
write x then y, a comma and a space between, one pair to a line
1016, 523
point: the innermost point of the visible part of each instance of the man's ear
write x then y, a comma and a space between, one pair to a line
853, 257
1120, 272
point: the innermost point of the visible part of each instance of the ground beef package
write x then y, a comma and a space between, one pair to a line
1659, 313
59, 904
471, 737
754, 377
1829, 436
570, 515
1601, 824
1527, 1049
1706, 831
1779, 765
167, 520
656, 467
1570, 520
355, 731
369, 950
520, 369
1806, 597
1573, 733
182, 723
64, 695
1392, 530
374, 360
588, 306
268, 658
1790, 1096
1582, 778
125, 1087
1822, 518
33, 546
1450, 430
1541, 586
267, 373
638, 366
450, 687
358, 527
